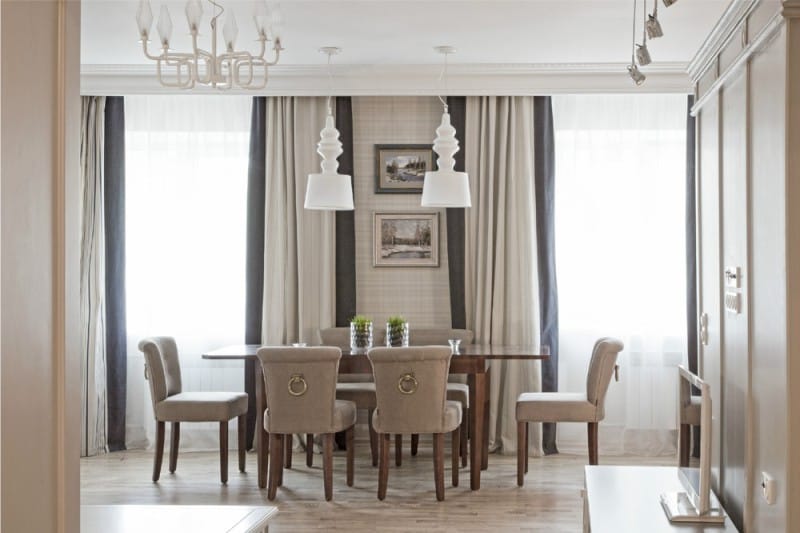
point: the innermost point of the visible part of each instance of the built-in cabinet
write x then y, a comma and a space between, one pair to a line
747, 88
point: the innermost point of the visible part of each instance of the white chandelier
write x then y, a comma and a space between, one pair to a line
231, 68
445, 187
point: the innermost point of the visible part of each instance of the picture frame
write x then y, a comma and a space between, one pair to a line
400, 168
406, 239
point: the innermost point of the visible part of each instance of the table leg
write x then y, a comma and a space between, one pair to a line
261, 435
250, 389
477, 391
485, 443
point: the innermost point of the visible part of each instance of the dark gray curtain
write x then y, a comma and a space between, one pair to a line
691, 255
114, 219
457, 106
254, 269
544, 153
345, 221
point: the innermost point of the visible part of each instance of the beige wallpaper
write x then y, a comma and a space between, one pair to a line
420, 294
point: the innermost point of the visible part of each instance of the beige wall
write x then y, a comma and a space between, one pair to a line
38, 216
421, 295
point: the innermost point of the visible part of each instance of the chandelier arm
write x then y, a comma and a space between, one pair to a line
277, 48
146, 51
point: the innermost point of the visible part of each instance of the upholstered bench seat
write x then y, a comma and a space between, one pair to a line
451, 420
344, 416
362, 393
201, 406
555, 407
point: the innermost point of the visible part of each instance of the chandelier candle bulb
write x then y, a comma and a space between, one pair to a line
164, 27
230, 31
194, 14
144, 19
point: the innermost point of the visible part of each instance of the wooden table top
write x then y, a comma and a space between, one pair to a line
479, 351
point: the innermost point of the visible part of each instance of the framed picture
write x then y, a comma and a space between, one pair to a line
406, 239
400, 168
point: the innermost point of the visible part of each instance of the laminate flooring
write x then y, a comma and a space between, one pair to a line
549, 501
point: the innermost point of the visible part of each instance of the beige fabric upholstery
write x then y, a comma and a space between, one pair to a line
458, 392
426, 410
362, 393
202, 406
340, 337
314, 411
690, 413
170, 404
575, 407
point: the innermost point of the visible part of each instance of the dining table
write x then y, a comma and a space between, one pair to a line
473, 360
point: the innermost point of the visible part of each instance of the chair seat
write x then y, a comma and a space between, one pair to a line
555, 407
361, 393
450, 421
201, 407
691, 412
458, 392
344, 417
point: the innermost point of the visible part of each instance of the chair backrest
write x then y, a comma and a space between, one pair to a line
411, 388
439, 336
301, 387
340, 336
162, 367
601, 368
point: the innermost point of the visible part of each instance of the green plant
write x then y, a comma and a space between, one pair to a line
396, 331
396, 321
360, 321
360, 332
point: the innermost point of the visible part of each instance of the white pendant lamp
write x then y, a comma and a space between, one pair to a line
445, 187
329, 190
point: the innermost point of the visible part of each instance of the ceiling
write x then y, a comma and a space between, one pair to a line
396, 36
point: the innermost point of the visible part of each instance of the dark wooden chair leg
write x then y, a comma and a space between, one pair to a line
174, 442
275, 448
383, 464
438, 465
684, 444
592, 443
464, 438
309, 450
351, 452
287, 450
527, 447
263, 456
414, 443
522, 451
223, 452
398, 450
327, 464
455, 452
279, 457
242, 438
159, 456
373, 439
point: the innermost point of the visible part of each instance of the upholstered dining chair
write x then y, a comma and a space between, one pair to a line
301, 398
357, 388
586, 406
457, 390
171, 404
411, 392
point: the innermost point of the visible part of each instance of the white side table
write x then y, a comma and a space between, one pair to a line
171, 518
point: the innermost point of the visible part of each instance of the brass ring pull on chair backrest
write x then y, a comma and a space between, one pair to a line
407, 384
293, 381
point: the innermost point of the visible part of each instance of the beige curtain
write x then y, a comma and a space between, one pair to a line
502, 297
298, 244
92, 285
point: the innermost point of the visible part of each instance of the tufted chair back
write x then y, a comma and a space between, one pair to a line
162, 367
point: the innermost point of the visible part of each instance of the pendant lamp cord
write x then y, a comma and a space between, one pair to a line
443, 76
330, 85
633, 35
644, 22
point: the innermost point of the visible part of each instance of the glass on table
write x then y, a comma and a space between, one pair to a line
455, 345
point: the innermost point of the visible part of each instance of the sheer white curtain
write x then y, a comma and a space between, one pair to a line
620, 222
186, 175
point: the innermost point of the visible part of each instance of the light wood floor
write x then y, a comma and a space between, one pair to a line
550, 500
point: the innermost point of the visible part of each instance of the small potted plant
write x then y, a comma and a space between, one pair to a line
360, 333
396, 331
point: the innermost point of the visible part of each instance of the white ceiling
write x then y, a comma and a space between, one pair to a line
387, 33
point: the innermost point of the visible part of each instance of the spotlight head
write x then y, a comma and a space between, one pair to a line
668, 3
653, 27
636, 74
643, 55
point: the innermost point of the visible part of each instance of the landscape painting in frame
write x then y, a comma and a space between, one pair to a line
400, 168
406, 239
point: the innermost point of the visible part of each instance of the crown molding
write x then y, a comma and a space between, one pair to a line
463, 79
